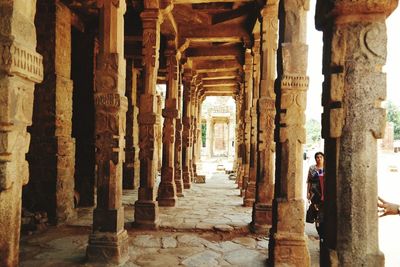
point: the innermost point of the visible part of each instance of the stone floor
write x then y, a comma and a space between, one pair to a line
209, 227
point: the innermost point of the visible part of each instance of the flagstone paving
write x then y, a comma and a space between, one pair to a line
209, 227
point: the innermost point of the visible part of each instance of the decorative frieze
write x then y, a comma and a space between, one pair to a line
15, 59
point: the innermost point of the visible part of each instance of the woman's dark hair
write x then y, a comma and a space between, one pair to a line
318, 153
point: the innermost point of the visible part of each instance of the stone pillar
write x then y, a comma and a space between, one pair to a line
178, 143
192, 134
195, 136
240, 139
109, 240
250, 193
130, 169
186, 132
20, 68
248, 76
159, 131
262, 209
354, 53
167, 188
288, 243
210, 137
52, 185
146, 207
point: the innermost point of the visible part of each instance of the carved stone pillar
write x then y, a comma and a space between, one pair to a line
248, 76
130, 171
186, 132
262, 209
195, 125
108, 241
159, 131
146, 207
288, 245
354, 53
240, 138
52, 185
20, 68
250, 193
167, 188
178, 144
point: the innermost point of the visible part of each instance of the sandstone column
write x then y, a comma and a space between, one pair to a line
287, 240
240, 138
262, 209
108, 241
52, 185
209, 135
130, 171
248, 92
186, 131
354, 53
20, 68
146, 207
250, 194
167, 188
178, 143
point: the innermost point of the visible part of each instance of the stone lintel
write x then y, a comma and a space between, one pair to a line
146, 214
111, 248
111, 220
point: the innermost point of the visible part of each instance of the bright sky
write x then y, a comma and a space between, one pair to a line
314, 40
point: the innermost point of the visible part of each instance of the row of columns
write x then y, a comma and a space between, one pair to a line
353, 57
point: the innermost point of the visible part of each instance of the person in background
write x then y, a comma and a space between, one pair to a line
315, 190
387, 208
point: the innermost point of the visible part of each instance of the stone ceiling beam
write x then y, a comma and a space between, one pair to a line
216, 65
218, 51
226, 82
218, 75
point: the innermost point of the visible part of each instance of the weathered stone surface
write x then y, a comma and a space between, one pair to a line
245, 241
206, 258
168, 242
146, 241
245, 257
158, 260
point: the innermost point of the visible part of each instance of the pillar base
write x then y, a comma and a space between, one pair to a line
106, 247
167, 194
146, 215
288, 249
180, 194
262, 218
167, 201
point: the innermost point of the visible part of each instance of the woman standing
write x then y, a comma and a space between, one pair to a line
315, 190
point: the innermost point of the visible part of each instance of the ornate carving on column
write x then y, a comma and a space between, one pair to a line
248, 76
354, 53
262, 209
178, 144
109, 240
240, 138
20, 68
167, 188
287, 239
250, 193
186, 131
146, 208
130, 169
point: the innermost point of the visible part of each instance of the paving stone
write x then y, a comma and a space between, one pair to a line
206, 258
262, 244
190, 241
245, 241
146, 241
168, 242
229, 246
245, 257
182, 252
157, 260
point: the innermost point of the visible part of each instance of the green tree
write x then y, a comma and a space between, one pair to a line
393, 115
313, 128
203, 134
